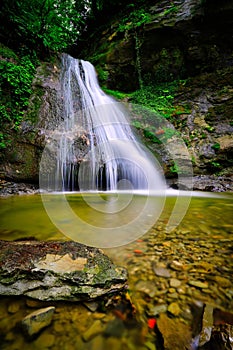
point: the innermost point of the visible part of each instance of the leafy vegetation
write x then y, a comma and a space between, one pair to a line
158, 98
135, 19
216, 146
16, 74
116, 94
40, 24
175, 169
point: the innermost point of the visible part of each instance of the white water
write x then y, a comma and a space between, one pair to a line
113, 158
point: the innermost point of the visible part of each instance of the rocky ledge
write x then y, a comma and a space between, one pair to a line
57, 271
8, 188
206, 183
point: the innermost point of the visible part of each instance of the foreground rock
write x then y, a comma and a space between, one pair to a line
57, 271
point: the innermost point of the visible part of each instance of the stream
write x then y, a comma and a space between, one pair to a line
171, 276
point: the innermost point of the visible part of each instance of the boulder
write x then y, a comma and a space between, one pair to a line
56, 270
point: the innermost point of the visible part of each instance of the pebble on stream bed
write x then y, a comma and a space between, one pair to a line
37, 320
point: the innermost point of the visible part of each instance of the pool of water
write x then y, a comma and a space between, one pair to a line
190, 264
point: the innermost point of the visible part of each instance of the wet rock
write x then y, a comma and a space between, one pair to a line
13, 307
8, 188
157, 309
207, 324
176, 334
92, 306
161, 271
213, 183
176, 265
96, 328
174, 309
198, 284
174, 282
57, 271
221, 338
45, 341
150, 346
115, 328
146, 287
37, 320
221, 317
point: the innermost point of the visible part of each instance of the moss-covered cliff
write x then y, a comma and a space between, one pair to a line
178, 57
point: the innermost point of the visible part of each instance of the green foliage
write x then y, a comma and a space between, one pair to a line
151, 136
133, 20
215, 165
216, 146
51, 24
175, 169
172, 9
15, 81
209, 128
148, 132
158, 98
102, 75
168, 133
3, 141
7, 53
117, 94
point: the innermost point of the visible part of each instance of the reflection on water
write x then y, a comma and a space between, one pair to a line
193, 263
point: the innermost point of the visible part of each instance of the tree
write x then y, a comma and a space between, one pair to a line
53, 24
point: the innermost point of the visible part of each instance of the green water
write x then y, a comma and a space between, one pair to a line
102, 220
26, 216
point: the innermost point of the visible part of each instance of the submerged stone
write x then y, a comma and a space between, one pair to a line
37, 320
96, 328
56, 270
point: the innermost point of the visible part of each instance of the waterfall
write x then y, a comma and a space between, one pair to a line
95, 147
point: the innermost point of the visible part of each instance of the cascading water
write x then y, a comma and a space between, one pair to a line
112, 157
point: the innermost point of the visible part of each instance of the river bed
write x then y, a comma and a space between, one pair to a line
172, 275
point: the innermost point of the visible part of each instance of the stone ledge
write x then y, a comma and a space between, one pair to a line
56, 270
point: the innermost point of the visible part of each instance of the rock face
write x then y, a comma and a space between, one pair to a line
57, 271
180, 41
21, 160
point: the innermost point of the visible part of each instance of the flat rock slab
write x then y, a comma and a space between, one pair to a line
56, 270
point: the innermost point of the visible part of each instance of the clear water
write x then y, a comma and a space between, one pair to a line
25, 216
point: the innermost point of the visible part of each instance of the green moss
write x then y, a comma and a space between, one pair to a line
134, 19
175, 169
216, 146
173, 9
102, 75
6, 52
158, 98
117, 94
